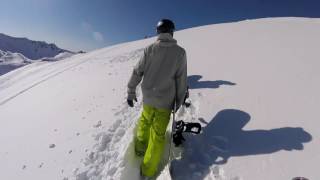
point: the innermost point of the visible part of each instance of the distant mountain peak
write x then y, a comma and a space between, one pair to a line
29, 48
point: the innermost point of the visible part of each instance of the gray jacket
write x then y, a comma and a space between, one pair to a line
163, 68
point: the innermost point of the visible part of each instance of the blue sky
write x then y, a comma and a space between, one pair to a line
91, 24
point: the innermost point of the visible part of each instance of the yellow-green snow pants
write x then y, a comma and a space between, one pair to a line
150, 137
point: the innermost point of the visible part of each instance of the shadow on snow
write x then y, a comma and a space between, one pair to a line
195, 83
223, 137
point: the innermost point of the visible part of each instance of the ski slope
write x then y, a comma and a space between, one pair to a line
253, 85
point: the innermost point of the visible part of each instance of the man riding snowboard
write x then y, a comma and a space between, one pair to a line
163, 71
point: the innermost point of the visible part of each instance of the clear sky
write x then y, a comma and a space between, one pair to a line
92, 24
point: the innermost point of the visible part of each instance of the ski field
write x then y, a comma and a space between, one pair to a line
254, 87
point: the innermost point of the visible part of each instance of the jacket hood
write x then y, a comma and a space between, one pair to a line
166, 39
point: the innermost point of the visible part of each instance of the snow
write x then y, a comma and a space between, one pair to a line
253, 86
58, 57
11, 61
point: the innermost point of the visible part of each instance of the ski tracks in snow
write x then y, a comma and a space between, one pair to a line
47, 71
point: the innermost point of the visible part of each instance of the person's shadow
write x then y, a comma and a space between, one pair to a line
224, 137
195, 83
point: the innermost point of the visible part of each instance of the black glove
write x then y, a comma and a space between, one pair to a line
130, 101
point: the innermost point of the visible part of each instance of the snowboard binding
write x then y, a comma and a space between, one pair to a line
187, 127
180, 127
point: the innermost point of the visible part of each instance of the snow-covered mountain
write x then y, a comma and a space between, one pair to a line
12, 58
18, 52
10, 61
254, 87
30, 49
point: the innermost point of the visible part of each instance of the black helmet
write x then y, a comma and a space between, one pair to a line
165, 26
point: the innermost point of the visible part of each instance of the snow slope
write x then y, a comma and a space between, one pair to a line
58, 57
254, 88
10, 61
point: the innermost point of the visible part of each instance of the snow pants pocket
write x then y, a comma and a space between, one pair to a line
150, 137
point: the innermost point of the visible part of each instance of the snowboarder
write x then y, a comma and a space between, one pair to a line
163, 68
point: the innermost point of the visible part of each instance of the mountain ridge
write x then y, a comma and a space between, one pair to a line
29, 48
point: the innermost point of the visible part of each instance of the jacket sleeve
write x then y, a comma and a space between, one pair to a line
181, 81
136, 77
